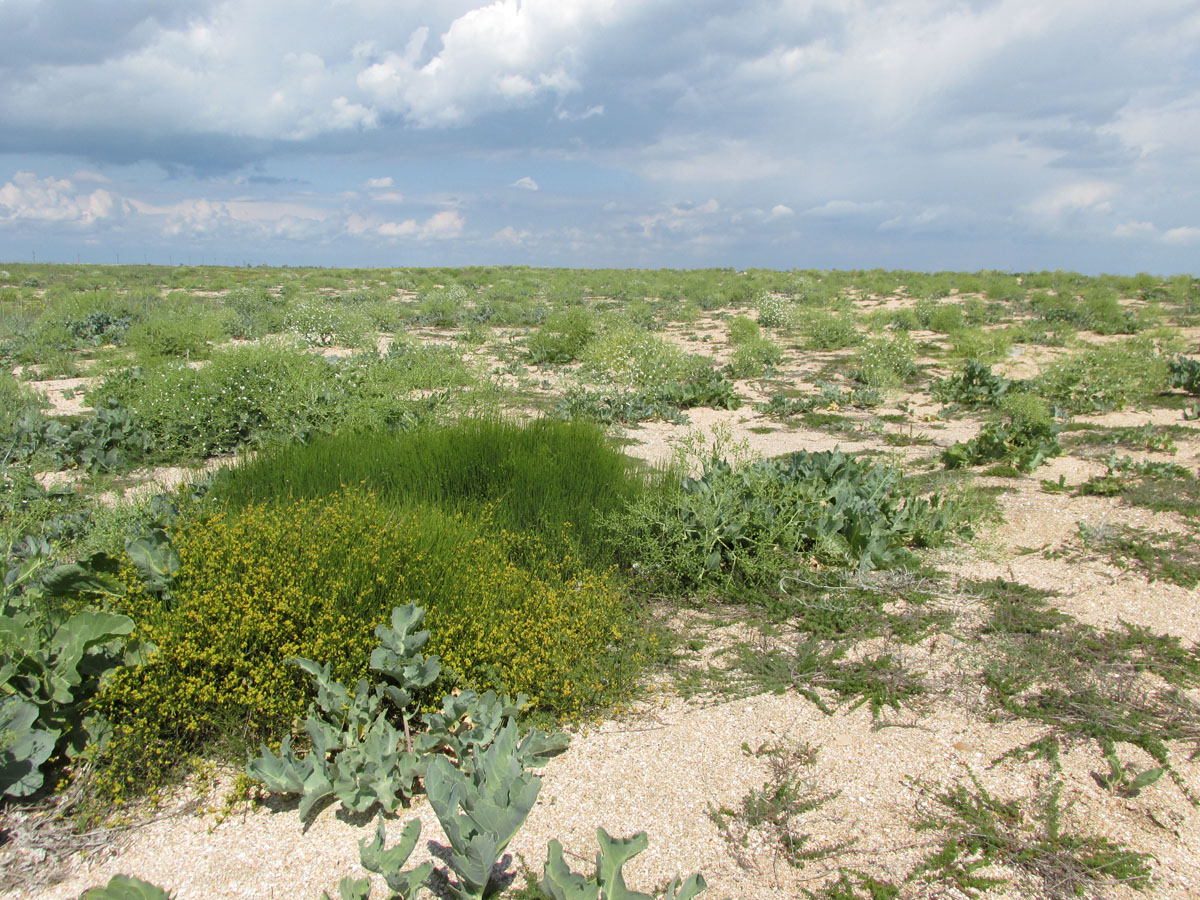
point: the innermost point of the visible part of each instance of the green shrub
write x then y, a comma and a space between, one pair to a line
312, 579
256, 312
883, 363
626, 356
747, 524
775, 311
975, 385
177, 327
1101, 379
1025, 440
563, 336
827, 331
753, 357
256, 395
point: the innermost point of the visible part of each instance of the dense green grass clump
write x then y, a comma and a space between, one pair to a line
547, 477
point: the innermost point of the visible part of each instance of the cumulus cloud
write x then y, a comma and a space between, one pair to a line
526, 183
896, 123
29, 198
441, 226
1187, 234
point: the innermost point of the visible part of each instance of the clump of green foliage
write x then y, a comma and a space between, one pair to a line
976, 385
1106, 378
824, 330
828, 396
562, 337
885, 363
1024, 440
748, 523
545, 477
753, 354
257, 395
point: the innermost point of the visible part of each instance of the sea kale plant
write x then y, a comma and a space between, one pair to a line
52, 664
749, 523
608, 883
1026, 438
359, 756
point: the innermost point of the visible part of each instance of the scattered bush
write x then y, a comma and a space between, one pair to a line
1102, 379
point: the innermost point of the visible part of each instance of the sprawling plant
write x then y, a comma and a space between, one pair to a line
51, 667
126, 887
358, 755
975, 385
1185, 373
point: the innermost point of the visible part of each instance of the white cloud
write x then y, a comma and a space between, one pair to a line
440, 226
1082, 196
526, 183
29, 198
779, 211
565, 115
504, 55
1134, 230
510, 235
1184, 235
379, 183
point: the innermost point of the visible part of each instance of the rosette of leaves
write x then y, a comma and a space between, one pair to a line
356, 754
975, 385
469, 722
481, 807
608, 883
823, 504
126, 887
1184, 373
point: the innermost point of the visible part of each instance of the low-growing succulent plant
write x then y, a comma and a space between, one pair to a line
560, 883
358, 756
48, 675
126, 887
480, 812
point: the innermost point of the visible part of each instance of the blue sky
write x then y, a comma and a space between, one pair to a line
922, 134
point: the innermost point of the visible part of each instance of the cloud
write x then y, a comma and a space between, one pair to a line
1135, 229
33, 199
1184, 235
1083, 196
441, 226
779, 211
504, 55
510, 235
526, 183
379, 183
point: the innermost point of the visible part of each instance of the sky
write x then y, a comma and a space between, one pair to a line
917, 134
